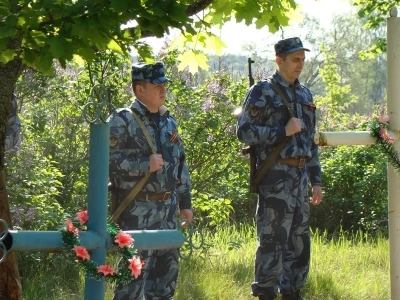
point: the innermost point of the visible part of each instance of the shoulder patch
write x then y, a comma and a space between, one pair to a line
254, 112
114, 142
311, 104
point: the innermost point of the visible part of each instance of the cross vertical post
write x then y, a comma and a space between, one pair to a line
97, 201
393, 110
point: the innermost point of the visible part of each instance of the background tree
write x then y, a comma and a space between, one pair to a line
375, 13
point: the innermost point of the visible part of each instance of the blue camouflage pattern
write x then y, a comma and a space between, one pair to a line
283, 238
283, 234
289, 45
153, 73
13, 130
129, 161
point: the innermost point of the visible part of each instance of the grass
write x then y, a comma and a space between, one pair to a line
348, 267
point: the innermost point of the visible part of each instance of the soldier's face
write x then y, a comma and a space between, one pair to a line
153, 95
291, 66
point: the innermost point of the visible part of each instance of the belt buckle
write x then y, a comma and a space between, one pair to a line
166, 196
302, 162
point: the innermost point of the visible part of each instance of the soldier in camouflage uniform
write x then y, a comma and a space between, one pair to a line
13, 126
283, 237
167, 188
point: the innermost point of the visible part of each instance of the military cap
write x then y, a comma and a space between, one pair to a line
153, 73
289, 45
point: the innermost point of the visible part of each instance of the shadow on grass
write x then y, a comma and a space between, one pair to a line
320, 287
189, 286
212, 278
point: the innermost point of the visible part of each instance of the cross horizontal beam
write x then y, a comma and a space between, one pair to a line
344, 138
50, 241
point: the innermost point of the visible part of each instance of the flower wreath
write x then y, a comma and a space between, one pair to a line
379, 130
131, 265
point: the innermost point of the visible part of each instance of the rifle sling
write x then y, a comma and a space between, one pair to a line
138, 186
275, 153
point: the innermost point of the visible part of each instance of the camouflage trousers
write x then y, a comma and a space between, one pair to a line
283, 237
160, 271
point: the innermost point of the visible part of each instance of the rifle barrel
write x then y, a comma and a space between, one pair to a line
251, 79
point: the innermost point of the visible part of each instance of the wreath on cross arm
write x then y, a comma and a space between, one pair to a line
379, 129
131, 265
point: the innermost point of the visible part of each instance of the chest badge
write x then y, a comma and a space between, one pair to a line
114, 142
254, 112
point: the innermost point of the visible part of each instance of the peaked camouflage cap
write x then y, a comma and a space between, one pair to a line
289, 45
153, 73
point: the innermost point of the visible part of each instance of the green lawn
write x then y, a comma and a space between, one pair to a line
348, 267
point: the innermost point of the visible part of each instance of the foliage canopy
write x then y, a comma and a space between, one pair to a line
375, 14
61, 29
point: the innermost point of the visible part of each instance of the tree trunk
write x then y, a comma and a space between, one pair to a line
10, 285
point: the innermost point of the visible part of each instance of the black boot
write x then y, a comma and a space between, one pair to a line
292, 296
266, 297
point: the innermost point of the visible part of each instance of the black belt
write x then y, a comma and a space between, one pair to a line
154, 196
294, 162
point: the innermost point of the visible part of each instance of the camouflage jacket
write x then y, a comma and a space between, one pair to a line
264, 116
130, 152
13, 126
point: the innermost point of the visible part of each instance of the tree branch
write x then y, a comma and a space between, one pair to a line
191, 10
198, 6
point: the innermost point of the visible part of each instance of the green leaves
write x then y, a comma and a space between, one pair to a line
121, 6
212, 211
375, 15
113, 45
197, 45
7, 56
193, 60
60, 47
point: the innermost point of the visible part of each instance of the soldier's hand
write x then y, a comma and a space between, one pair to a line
293, 126
156, 162
317, 195
186, 214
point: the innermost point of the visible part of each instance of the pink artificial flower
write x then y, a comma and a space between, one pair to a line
70, 226
106, 270
135, 265
384, 119
383, 133
123, 239
81, 252
82, 216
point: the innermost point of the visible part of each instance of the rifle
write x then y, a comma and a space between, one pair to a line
250, 149
112, 189
256, 175
251, 79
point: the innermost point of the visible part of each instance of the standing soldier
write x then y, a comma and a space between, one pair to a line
278, 119
144, 141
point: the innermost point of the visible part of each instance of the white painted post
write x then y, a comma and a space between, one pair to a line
393, 109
